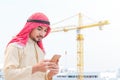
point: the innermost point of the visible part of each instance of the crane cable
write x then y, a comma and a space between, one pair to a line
64, 19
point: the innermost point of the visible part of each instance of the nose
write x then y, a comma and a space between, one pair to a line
42, 33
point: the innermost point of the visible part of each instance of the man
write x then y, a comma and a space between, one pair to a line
24, 54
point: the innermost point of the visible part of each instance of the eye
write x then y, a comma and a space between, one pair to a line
39, 28
46, 30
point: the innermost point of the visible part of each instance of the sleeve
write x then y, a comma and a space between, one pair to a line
12, 71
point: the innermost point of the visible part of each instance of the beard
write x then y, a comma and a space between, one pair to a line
38, 38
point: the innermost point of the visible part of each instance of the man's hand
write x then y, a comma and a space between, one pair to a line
53, 71
44, 66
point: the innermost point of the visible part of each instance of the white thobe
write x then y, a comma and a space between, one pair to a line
19, 61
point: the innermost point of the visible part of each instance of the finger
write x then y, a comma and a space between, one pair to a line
53, 67
47, 68
47, 60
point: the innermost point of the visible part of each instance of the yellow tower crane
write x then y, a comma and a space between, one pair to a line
80, 39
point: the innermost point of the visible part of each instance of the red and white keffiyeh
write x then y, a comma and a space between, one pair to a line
35, 20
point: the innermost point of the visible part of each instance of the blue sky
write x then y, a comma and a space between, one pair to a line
101, 47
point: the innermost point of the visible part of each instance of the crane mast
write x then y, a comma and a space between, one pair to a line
80, 56
80, 39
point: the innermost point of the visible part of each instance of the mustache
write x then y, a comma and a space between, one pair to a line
40, 36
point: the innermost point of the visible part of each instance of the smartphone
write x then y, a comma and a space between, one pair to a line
55, 58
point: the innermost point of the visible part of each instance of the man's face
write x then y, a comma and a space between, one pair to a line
38, 33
